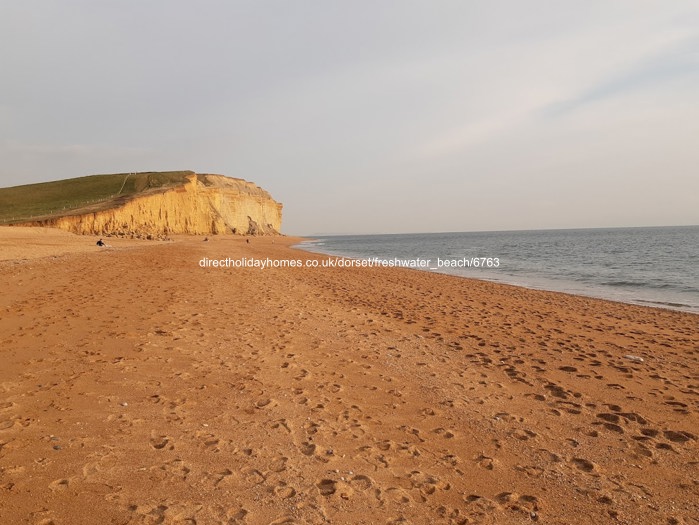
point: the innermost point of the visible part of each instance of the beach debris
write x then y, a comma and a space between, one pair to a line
633, 358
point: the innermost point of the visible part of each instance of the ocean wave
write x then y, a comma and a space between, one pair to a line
667, 303
642, 284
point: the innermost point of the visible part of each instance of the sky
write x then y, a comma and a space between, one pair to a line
369, 116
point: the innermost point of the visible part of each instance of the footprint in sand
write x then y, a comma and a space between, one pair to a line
236, 515
633, 416
398, 495
486, 462
530, 470
568, 369
614, 428
284, 491
447, 434
221, 477
361, 482
177, 469
308, 449
611, 418
523, 434
642, 451
160, 442
427, 484
678, 437
278, 464
265, 403
332, 488
584, 464
524, 503
59, 484
281, 424
284, 520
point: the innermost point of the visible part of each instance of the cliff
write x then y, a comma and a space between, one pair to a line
199, 204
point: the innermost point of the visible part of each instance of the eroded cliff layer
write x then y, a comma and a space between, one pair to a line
203, 204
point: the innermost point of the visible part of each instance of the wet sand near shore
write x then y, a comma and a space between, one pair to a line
138, 387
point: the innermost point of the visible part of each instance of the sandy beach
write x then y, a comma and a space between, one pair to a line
139, 387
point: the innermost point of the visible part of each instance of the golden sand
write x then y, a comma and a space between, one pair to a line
138, 387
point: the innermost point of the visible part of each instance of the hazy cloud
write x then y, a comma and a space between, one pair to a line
369, 116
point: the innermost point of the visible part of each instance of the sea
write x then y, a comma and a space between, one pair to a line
656, 266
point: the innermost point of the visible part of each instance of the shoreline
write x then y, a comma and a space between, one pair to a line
144, 388
25, 244
678, 307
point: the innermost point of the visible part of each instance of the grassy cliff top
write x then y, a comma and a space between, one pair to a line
92, 193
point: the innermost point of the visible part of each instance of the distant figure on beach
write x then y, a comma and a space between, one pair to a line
100, 243
247, 241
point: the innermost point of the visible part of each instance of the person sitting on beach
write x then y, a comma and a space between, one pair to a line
101, 243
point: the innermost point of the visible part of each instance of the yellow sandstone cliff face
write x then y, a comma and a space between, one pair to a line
205, 204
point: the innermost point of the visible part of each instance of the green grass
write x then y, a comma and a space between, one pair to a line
64, 197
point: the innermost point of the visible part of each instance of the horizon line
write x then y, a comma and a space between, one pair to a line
328, 234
